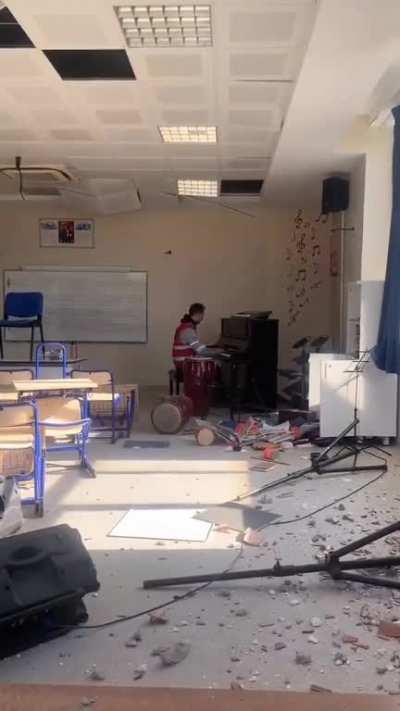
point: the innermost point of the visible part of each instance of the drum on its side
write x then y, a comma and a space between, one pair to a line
171, 414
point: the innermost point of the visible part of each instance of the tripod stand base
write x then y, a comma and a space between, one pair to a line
332, 565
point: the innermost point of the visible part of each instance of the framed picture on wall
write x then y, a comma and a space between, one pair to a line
66, 233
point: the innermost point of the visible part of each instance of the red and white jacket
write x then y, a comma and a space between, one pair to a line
186, 342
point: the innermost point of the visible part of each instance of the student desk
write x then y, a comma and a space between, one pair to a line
127, 390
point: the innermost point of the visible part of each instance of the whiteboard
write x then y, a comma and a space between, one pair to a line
85, 306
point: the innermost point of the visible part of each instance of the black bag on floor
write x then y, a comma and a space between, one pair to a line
43, 576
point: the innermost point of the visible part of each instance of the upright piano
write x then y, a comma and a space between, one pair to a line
249, 350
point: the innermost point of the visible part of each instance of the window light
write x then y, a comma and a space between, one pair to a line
188, 134
184, 24
198, 188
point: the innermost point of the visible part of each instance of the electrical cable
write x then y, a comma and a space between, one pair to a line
327, 506
142, 613
194, 591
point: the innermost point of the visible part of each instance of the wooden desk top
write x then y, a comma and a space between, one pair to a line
8, 393
21, 697
31, 386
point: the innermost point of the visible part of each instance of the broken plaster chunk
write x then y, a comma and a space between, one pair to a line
158, 618
86, 702
332, 519
242, 612
131, 642
315, 622
295, 602
174, 653
303, 660
95, 675
139, 672
279, 645
340, 659
312, 639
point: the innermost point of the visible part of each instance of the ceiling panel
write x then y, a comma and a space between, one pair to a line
254, 93
251, 118
174, 65
16, 135
119, 116
242, 85
53, 117
32, 95
192, 94
133, 135
182, 117
263, 27
69, 30
259, 64
71, 134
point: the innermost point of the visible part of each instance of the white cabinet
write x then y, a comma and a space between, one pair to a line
373, 392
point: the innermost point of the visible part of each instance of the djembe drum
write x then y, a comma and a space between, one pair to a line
198, 379
171, 414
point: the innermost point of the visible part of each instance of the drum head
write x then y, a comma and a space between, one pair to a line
167, 418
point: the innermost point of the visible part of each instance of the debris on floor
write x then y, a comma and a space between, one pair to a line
94, 674
389, 629
158, 618
172, 654
139, 672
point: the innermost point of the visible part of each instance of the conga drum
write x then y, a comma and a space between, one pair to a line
171, 414
198, 379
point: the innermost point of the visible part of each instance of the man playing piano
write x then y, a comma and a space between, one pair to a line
186, 341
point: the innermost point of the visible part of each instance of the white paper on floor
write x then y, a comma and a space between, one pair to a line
162, 524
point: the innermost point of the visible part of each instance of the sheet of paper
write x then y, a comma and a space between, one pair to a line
162, 524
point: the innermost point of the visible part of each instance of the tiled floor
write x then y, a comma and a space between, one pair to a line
225, 646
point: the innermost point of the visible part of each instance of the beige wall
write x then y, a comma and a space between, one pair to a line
229, 261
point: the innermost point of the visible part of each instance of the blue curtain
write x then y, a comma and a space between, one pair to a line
386, 353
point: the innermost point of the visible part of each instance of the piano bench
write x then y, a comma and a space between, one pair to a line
175, 379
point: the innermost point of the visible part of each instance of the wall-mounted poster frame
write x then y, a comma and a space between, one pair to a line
66, 233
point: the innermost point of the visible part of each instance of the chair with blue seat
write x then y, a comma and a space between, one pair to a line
22, 454
23, 310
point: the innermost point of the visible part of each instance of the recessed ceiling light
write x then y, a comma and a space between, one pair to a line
188, 134
198, 188
186, 24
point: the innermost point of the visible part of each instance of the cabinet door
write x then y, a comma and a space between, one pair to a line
338, 393
377, 402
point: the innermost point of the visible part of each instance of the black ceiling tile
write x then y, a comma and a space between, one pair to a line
11, 33
241, 187
7, 17
91, 64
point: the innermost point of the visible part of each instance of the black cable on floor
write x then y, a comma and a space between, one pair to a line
327, 506
194, 591
176, 598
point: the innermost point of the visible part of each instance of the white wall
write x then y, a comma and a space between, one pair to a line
377, 203
229, 261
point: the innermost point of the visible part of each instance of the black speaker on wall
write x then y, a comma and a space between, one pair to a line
335, 195
43, 577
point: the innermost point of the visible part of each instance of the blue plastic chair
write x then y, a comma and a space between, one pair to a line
23, 310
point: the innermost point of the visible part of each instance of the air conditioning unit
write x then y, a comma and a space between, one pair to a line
45, 174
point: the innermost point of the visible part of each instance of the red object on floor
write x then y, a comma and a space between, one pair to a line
270, 452
198, 378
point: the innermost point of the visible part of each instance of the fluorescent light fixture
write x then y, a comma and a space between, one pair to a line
188, 134
184, 24
198, 188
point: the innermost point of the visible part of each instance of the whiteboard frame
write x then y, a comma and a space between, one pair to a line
89, 270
